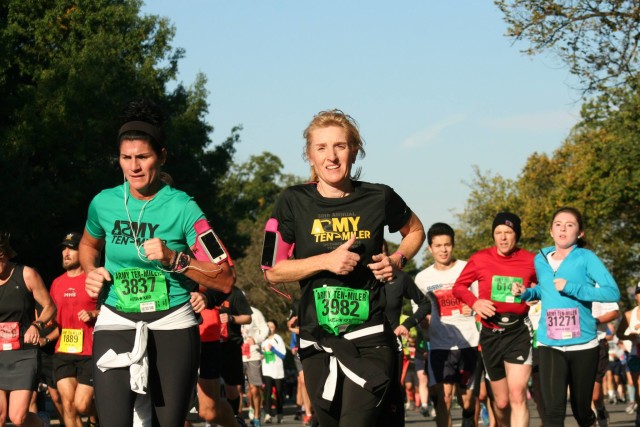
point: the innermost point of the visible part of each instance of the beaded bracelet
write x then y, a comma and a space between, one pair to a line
172, 264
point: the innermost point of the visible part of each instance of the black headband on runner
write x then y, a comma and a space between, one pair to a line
145, 127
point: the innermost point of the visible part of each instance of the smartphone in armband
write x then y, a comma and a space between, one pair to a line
269, 248
274, 249
208, 246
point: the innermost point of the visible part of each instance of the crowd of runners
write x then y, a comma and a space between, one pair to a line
147, 322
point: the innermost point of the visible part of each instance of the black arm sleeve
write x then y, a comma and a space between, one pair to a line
412, 292
214, 298
239, 303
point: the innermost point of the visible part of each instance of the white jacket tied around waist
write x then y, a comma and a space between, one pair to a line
137, 359
346, 365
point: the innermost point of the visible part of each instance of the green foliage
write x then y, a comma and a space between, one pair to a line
67, 68
258, 291
250, 191
595, 170
598, 40
489, 195
247, 193
66, 71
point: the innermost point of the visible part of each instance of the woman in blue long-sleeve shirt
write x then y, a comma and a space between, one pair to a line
570, 279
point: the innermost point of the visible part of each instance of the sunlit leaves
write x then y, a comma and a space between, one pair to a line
594, 170
597, 40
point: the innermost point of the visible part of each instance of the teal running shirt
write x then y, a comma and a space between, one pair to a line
137, 284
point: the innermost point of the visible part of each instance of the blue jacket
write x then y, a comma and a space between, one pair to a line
582, 269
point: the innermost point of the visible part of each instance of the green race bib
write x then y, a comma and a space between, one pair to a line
269, 356
501, 289
140, 290
339, 308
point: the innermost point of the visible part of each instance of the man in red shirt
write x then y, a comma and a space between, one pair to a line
72, 361
506, 331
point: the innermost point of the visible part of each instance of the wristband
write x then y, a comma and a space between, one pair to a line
172, 264
38, 324
264, 274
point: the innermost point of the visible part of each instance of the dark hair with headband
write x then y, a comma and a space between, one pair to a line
142, 120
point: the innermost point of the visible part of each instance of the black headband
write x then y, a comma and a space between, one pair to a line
145, 127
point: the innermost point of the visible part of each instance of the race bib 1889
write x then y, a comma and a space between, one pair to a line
339, 308
140, 290
70, 341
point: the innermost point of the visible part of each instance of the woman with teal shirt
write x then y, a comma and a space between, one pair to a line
146, 324
570, 279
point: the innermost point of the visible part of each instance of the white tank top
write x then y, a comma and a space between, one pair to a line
633, 321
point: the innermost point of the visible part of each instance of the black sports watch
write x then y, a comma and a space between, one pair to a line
182, 263
403, 259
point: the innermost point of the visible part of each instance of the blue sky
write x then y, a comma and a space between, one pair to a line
435, 86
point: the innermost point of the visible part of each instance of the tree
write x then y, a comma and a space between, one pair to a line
594, 170
67, 68
268, 298
489, 195
250, 191
605, 180
598, 40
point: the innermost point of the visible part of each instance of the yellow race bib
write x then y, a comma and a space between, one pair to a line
70, 341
